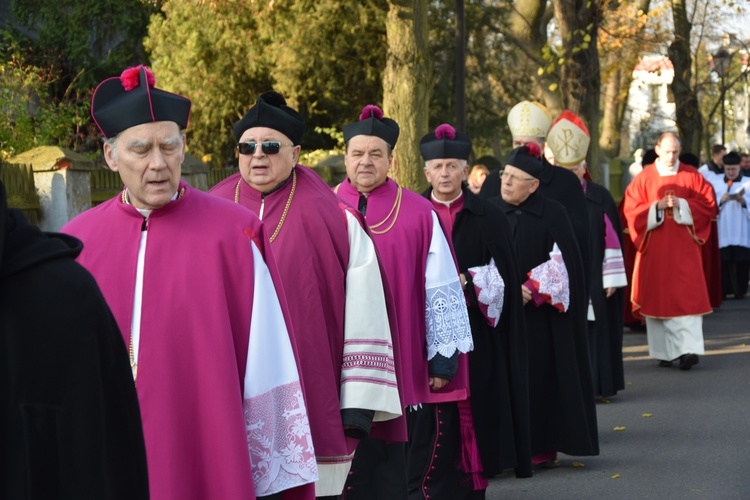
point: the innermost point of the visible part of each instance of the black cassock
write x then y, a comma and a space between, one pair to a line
498, 372
498, 367
563, 412
605, 334
70, 427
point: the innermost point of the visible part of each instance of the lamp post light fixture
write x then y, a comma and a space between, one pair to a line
721, 61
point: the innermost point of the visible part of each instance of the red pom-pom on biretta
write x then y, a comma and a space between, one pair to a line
445, 131
534, 149
371, 111
130, 78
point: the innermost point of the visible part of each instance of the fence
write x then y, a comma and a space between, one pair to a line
216, 176
19, 186
105, 184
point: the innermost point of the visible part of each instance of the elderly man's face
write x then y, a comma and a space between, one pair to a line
516, 185
263, 170
367, 161
445, 176
149, 159
745, 163
668, 151
732, 171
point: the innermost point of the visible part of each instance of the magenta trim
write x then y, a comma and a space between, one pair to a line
434, 450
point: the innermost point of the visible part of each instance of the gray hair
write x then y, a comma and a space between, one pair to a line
112, 142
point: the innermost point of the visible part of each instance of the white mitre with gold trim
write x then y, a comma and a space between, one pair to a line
569, 139
529, 119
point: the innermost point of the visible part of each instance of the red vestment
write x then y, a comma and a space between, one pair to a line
668, 279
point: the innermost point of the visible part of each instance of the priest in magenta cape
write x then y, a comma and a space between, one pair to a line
668, 209
433, 326
331, 275
569, 139
561, 394
489, 431
193, 287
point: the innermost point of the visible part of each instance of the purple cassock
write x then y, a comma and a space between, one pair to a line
336, 296
429, 302
221, 401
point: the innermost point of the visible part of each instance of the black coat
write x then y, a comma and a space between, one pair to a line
605, 334
563, 186
563, 413
498, 370
70, 427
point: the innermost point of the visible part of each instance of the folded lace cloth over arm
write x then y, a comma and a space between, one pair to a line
490, 290
549, 282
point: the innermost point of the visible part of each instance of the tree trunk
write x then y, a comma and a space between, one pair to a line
616, 90
527, 26
578, 21
407, 87
689, 122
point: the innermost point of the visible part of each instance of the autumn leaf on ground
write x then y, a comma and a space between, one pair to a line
616, 476
577, 464
628, 383
621, 428
647, 415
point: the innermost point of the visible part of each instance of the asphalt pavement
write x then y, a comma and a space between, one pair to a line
670, 434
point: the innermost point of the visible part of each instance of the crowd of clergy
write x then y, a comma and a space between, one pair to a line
288, 340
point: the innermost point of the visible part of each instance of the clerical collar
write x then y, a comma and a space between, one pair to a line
446, 203
666, 170
145, 212
280, 185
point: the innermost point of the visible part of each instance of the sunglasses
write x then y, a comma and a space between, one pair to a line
268, 147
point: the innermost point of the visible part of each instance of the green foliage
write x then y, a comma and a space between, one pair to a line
325, 57
31, 118
83, 41
214, 54
497, 77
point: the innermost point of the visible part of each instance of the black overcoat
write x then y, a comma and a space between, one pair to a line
498, 371
605, 334
563, 186
70, 427
562, 407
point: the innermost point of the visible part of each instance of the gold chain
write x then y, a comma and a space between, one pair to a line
397, 208
286, 208
124, 199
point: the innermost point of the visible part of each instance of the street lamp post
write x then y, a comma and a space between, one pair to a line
721, 61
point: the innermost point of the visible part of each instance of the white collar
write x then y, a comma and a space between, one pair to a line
446, 203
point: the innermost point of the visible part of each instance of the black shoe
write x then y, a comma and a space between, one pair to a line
688, 360
665, 364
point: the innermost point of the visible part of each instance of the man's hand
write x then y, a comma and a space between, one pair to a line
725, 198
526, 294
668, 201
437, 383
610, 291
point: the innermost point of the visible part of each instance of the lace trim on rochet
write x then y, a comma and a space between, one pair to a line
552, 280
279, 440
490, 289
447, 320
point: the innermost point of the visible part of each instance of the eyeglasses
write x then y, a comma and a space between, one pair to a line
513, 178
268, 147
